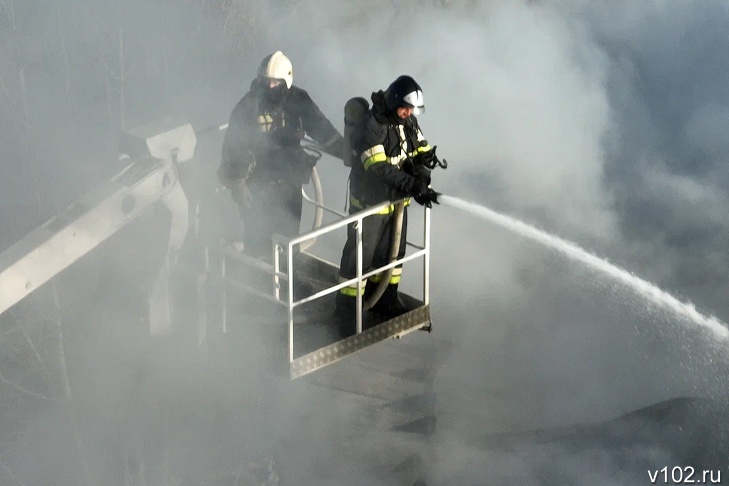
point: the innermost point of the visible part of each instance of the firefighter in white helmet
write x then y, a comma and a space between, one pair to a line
263, 162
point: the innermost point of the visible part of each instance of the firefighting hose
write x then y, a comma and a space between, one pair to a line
394, 247
318, 201
315, 151
396, 235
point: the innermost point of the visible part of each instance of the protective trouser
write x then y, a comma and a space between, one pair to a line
275, 208
377, 233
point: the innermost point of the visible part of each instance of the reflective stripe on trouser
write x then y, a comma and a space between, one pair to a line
394, 278
351, 290
376, 238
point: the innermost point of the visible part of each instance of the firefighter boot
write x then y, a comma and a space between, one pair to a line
390, 305
369, 290
346, 315
346, 307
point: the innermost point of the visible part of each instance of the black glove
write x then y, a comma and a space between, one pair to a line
423, 173
299, 162
230, 173
287, 136
430, 160
427, 198
418, 188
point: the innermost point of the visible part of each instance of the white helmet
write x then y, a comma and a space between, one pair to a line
277, 66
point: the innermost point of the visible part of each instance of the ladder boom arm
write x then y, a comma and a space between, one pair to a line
81, 227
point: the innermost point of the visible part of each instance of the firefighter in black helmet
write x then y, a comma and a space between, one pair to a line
263, 162
391, 152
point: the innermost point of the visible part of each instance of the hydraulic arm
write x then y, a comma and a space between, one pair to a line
69, 235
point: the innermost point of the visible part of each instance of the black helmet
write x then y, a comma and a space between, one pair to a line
404, 92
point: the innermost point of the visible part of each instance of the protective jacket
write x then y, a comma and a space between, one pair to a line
385, 146
263, 139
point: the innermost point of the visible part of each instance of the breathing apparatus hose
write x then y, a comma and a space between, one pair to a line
394, 249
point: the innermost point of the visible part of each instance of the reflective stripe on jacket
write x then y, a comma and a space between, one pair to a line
383, 145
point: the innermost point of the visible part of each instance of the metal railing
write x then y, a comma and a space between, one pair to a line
281, 243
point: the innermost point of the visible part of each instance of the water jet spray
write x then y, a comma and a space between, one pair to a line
719, 330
